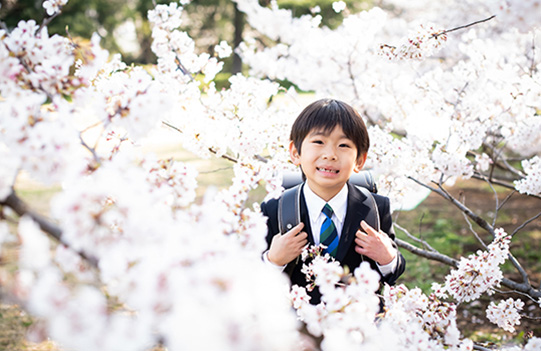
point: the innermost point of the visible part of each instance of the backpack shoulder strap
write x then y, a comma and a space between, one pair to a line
289, 212
373, 215
289, 215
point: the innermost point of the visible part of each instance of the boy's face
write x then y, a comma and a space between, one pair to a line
327, 160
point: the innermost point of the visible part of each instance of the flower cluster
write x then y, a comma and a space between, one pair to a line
223, 49
412, 312
175, 49
452, 163
46, 60
182, 273
344, 317
531, 184
479, 272
175, 181
424, 42
348, 301
505, 314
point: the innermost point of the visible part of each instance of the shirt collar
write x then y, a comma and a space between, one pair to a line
315, 204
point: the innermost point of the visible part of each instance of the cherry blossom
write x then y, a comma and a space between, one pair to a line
53, 6
531, 184
505, 314
338, 6
479, 272
223, 49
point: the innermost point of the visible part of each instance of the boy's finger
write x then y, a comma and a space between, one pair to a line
360, 234
368, 229
300, 238
360, 250
295, 230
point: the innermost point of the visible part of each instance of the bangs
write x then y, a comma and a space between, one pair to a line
323, 116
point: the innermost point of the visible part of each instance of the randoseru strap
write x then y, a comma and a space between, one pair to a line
289, 211
289, 215
373, 215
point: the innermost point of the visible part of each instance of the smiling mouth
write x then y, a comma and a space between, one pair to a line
331, 171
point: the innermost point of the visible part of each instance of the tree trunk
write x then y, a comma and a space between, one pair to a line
239, 27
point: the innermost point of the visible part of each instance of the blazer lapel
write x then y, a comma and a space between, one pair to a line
356, 212
306, 219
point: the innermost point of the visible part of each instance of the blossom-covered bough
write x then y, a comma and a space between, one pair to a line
136, 262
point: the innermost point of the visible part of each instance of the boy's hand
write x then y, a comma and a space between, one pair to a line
377, 246
284, 248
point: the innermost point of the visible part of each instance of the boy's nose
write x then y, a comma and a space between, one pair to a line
329, 154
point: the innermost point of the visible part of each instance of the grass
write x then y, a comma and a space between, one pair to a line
14, 326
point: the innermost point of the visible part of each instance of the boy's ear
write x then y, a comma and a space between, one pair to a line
294, 154
360, 163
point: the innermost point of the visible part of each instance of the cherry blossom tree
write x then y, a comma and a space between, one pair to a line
457, 98
129, 260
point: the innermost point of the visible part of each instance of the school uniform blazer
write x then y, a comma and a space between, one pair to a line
346, 254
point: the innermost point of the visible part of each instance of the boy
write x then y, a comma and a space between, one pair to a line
329, 141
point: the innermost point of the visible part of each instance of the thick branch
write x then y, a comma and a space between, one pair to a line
21, 209
480, 348
440, 191
435, 256
525, 288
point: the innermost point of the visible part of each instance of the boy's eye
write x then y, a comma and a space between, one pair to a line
345, 145
317, 142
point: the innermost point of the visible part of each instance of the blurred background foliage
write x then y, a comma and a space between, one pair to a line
124, 28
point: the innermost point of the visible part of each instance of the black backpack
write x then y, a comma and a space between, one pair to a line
289, 213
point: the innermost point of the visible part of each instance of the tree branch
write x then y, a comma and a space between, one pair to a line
485, 225
411, 236
92, 150
480, 348
525, 288
434, 256
506, 166
467, 219
440, 191
462, 27
525, 224
507, 198
18, 205
212, 150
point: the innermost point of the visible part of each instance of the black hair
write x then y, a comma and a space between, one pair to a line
324, 115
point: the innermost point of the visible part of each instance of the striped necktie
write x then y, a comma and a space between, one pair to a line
329, 235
